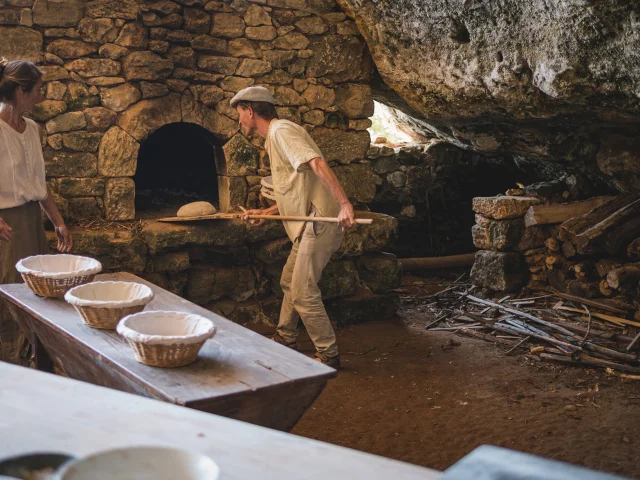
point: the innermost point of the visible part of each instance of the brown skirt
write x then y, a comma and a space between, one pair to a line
28, 238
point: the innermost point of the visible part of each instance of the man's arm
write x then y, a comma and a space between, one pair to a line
321, 168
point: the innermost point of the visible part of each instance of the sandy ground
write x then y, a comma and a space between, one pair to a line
429, 398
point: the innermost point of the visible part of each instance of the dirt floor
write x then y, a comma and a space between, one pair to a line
429, 398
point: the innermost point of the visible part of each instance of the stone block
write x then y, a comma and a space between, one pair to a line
318, 96
362, 307
65, 164
182, 56
56, 90
292, 41
67, 49
265, 33
378, 236
355, 101
340, 145
385, 165
146, 116
207, 282
66, 123
312, 25
499, 235
53, 72
339, 279
217, 64
205, 43
119, 98
99, 118
82, 208
98, 30
227, 26
81, 187
336, 56
381, 272
121, 9
21, 43
196, 21
153, 90
232, 192
247, 313
118, 154
133, 35
82, 141
79, 97
119, 199
499, 271
235, 84
48, 109
63, 13
94, 67
274, 251
146, 66
503, 207
250, 67
240, 157
256, 16
168, 262
208, 95
357, 181
161, 237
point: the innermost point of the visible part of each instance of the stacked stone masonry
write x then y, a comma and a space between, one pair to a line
118, 70
234, 269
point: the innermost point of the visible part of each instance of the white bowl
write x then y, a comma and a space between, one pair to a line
166, 328
58, 266
141, 463
109, 295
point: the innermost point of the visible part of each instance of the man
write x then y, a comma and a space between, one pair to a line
303, 184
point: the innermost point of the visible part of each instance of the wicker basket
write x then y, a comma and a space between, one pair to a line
104, 304
54, 275
166, 339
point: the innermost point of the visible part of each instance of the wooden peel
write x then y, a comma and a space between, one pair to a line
290, 218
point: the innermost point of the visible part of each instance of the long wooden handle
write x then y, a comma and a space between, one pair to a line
294, 218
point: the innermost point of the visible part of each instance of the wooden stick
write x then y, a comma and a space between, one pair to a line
588, 361
512, 329
558, 213
517, 345
635, 339
586, 301
296, 218
513, 311
602, 316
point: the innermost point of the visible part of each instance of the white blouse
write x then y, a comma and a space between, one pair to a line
22, 177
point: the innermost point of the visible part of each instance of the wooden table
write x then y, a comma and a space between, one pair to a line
40, 412
239, 373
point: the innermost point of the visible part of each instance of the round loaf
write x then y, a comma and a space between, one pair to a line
196, 209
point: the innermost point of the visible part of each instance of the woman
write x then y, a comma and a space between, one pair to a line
22, 188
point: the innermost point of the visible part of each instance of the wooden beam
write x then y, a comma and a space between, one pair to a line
558, 213
434, 263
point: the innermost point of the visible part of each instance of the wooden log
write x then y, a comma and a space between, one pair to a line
434, 263
586, 229
558, 213
602, 316
568, 249
608, 352
633, 250
604, 287
591, 303
548, 339
618, 239
605, 265
552, 244
585, 266
625, 276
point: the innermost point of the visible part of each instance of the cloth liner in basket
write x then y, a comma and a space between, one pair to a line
104, 304
54, 275
166, 339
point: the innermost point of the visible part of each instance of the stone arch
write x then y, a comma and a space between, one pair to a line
236, 160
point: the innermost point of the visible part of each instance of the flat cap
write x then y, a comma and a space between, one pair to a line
253, 94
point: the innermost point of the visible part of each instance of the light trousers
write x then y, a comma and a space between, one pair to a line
302, 298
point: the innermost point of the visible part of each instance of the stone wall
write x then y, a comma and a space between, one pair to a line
117, 70
429, 188
234, 269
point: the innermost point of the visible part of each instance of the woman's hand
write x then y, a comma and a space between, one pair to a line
5, 231
65, 242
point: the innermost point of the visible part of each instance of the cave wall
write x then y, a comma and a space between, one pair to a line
546, 80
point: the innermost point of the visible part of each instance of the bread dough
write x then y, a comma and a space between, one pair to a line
196, 209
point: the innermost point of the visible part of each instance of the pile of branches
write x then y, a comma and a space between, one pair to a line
556, 326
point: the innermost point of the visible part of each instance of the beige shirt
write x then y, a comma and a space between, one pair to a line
22, 179
295, 185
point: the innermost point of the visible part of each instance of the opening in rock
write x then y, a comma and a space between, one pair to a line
384, 124
176, 165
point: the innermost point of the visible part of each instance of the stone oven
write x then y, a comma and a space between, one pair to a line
137, 121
